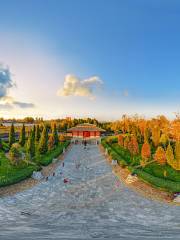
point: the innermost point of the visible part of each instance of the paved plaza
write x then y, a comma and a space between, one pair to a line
92, 204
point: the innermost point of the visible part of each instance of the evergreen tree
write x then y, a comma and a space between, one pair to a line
30, 147
12, 138
1, 145
55, 135
37, 133
22, 137
43, 143
33, 132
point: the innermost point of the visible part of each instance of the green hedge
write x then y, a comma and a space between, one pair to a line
47, 158
158, 182
114, 154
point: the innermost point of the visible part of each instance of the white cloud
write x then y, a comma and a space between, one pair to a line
74, 86
6, 83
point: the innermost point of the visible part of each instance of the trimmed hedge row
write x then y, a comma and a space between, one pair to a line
46, 159
158, 182
114, 154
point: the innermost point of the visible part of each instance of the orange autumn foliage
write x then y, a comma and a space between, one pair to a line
121, 140
146, 151
160, 156
133, 146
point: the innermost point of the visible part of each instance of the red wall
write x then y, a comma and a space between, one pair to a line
80, 133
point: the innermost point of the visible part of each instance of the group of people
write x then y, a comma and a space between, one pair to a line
65, 180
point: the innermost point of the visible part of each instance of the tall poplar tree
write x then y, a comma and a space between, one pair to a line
33, 131
30, 147
55, 135
43, 143
12, 138
37, 133
22, 137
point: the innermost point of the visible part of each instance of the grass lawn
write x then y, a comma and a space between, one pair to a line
10, 174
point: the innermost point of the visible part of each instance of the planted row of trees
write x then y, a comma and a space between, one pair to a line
153, 145
36, 142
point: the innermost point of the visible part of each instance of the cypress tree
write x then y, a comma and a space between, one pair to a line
22, 137
34, 131
1, 145
43, 143
55, 135
30, 147
37, 133
12, 138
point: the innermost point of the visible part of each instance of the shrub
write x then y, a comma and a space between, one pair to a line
15, 153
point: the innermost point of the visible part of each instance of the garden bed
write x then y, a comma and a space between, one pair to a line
152, 173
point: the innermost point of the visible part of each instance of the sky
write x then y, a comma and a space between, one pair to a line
89, 58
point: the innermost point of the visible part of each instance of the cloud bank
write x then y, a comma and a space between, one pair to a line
6, 83
73, 86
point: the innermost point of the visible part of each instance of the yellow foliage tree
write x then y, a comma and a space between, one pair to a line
156, 135
62, 138
170, 155
177, 156
164, 139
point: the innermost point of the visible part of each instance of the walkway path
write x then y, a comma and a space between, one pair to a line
93, 205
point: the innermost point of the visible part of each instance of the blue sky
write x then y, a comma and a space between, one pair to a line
132, 47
